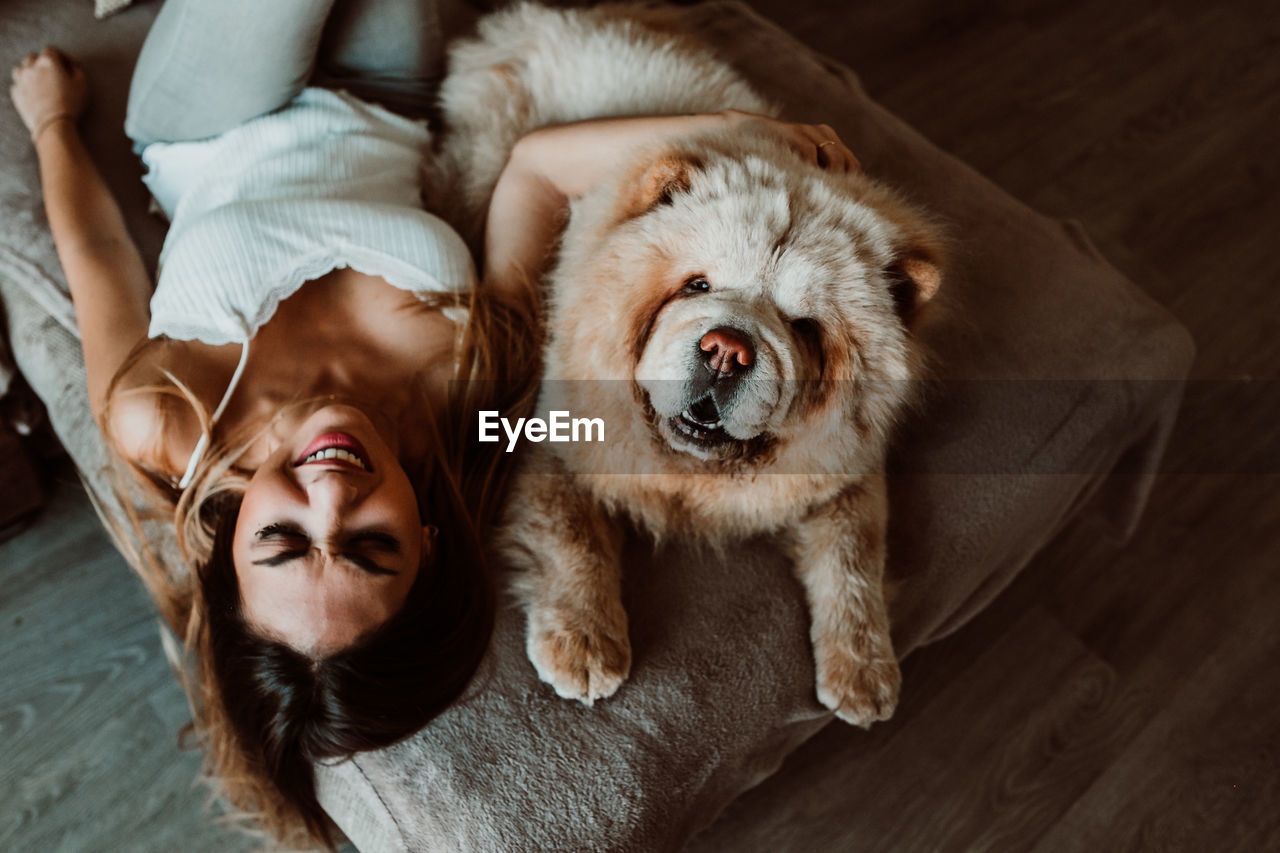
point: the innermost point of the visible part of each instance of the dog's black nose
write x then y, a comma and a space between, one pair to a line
727, 352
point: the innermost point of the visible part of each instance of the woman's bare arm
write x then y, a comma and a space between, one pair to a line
109, 283
553, 165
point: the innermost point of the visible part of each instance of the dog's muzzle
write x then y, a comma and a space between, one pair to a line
724, 358
726, 398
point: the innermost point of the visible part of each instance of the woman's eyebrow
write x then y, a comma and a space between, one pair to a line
281, 528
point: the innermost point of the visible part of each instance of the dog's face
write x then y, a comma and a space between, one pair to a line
751, 295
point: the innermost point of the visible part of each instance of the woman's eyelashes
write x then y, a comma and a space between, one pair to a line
377, 540
293, 543
280, 532
361, 543
356, 547
365, 564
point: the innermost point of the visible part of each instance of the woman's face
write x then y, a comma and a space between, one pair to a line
328, 541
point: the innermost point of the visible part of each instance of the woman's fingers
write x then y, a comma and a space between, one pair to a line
833, 154
48, 53
817, 144
48, 56
837, 157
829, 145
825, 145
52, 54
808, 148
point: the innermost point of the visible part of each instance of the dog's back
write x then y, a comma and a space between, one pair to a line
531, 67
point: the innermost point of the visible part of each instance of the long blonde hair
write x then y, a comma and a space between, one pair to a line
465, 483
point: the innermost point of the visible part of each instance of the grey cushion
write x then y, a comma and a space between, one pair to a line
1038, 400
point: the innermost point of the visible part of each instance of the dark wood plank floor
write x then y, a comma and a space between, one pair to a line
1116, 698
89, 714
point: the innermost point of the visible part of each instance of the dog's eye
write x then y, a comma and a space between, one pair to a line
808, 333
697, 284
807, 329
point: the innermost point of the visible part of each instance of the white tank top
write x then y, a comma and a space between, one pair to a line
324, 183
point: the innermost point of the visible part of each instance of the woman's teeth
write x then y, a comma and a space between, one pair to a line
337, 453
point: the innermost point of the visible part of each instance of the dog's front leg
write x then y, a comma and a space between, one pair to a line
566, 550
840, 553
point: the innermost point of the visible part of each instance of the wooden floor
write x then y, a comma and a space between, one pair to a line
89, 714
1112, 699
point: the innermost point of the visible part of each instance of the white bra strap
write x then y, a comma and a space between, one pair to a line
203, 443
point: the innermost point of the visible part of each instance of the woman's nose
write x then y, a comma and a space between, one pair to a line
331, 493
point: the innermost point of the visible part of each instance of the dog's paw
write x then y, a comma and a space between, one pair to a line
859, 690
583, 658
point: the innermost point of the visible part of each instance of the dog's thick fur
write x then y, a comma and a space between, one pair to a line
818, 277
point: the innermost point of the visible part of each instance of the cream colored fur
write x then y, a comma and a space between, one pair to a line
786, 248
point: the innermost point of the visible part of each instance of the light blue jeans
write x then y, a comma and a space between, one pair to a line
209, 65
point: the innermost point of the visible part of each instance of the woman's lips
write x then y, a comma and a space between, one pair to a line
335, 441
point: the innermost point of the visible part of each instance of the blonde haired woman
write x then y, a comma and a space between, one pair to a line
289, 388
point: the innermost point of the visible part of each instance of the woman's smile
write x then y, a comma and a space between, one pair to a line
335, 448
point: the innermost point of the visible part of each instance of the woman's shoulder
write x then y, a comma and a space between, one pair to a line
151, 418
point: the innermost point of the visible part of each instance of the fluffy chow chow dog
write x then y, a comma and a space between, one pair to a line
738, 318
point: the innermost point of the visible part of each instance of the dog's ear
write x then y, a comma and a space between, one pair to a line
657, 183
914, 278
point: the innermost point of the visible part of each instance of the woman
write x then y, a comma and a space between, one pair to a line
308, 441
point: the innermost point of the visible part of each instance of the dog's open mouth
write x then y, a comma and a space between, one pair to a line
699, 431
700, 422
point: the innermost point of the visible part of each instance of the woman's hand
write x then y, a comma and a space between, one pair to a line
48, 87
817, 144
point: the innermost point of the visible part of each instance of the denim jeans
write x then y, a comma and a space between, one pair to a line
209, 65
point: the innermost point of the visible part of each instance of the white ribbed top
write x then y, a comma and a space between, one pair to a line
326, 182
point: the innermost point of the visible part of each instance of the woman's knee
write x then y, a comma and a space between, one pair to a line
208, 66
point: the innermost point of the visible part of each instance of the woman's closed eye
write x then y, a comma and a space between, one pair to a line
294, 544
292, 541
